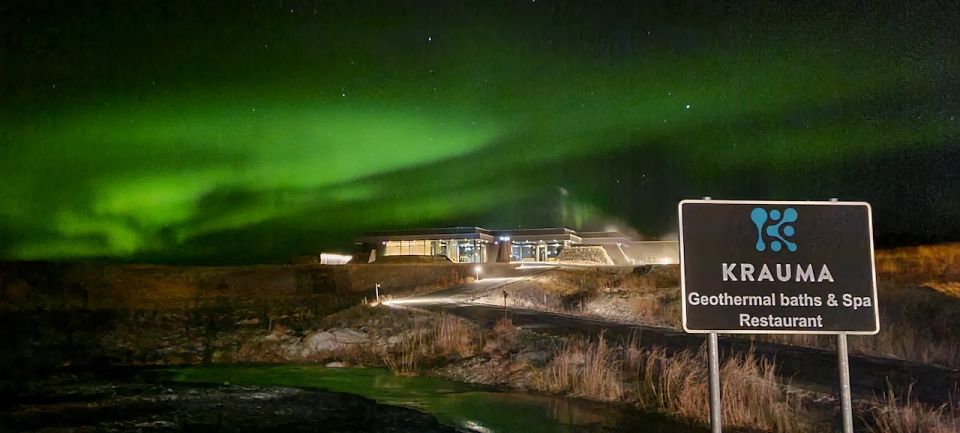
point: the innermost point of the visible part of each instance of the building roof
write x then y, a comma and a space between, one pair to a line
607, 237
535, 235
426, 234
549, 234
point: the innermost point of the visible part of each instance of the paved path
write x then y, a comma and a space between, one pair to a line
806, 368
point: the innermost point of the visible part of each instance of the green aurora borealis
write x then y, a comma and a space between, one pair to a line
252, 131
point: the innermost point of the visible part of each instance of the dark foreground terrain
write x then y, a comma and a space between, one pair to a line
601, 334
134, 403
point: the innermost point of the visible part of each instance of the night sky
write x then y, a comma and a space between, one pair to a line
242, 132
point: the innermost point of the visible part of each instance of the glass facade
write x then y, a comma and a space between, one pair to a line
479, 245
529, 251
457, 250
407, 248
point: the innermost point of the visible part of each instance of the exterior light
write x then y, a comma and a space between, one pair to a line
477, 269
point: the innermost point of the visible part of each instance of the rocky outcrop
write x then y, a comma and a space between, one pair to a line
332, 341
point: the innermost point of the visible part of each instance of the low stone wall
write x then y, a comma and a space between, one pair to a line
585, 254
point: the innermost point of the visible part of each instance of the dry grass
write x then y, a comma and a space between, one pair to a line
670, 382
571, 281
916, 324
907, 342
405, 361
634, 355
752, 397
949, 288
895, 340
893, 415
659, 308
919, 264
584, 369
445, 335
451, 335
674, 383
919, 307
569, 286
505, 326
648, 295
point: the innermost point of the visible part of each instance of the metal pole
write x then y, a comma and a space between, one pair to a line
714, 360
714, 354
377, 289
843, 364
846, 407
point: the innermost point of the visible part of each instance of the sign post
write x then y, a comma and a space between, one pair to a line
778, 267
716, 423
713, 362
846, 405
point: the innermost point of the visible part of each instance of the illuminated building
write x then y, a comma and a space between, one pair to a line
480, 245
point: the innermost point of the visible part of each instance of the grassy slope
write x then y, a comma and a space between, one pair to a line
919, 290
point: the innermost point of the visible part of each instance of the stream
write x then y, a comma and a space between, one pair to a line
456, 404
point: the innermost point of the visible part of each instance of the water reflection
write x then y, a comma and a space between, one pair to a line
454, 403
